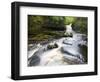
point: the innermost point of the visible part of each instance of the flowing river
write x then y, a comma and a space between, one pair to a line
68, 51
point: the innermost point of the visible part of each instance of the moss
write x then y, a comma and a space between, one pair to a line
52, 46
41, 37
45, 35
68, 35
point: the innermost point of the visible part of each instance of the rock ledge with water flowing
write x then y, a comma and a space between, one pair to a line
53, 45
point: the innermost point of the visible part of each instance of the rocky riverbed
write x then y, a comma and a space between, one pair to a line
67, 52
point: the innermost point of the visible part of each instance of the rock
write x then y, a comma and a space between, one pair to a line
53, 45
84, 37
34, 60
68, 41
70, 51
68, 35
82, 43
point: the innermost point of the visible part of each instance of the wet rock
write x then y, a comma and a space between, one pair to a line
70, 51
68, 42
34, 60
68, 35
82, 43
72, 61
51, 46
84, 37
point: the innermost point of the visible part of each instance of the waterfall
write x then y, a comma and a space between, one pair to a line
69, 29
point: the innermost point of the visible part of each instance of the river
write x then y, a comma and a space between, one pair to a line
67, 53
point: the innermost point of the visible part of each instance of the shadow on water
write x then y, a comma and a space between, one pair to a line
84, 51
34, 60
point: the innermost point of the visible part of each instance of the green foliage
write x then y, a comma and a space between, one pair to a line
46, 27
40, 37
54, 23
80, 25
69, 19
40, 23
34, 24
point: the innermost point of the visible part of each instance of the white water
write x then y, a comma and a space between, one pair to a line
69, 28
56, 56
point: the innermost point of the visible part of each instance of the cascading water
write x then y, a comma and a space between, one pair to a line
69, 28
68, 51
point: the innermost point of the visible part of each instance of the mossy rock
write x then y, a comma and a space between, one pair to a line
68, 35
55, 45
